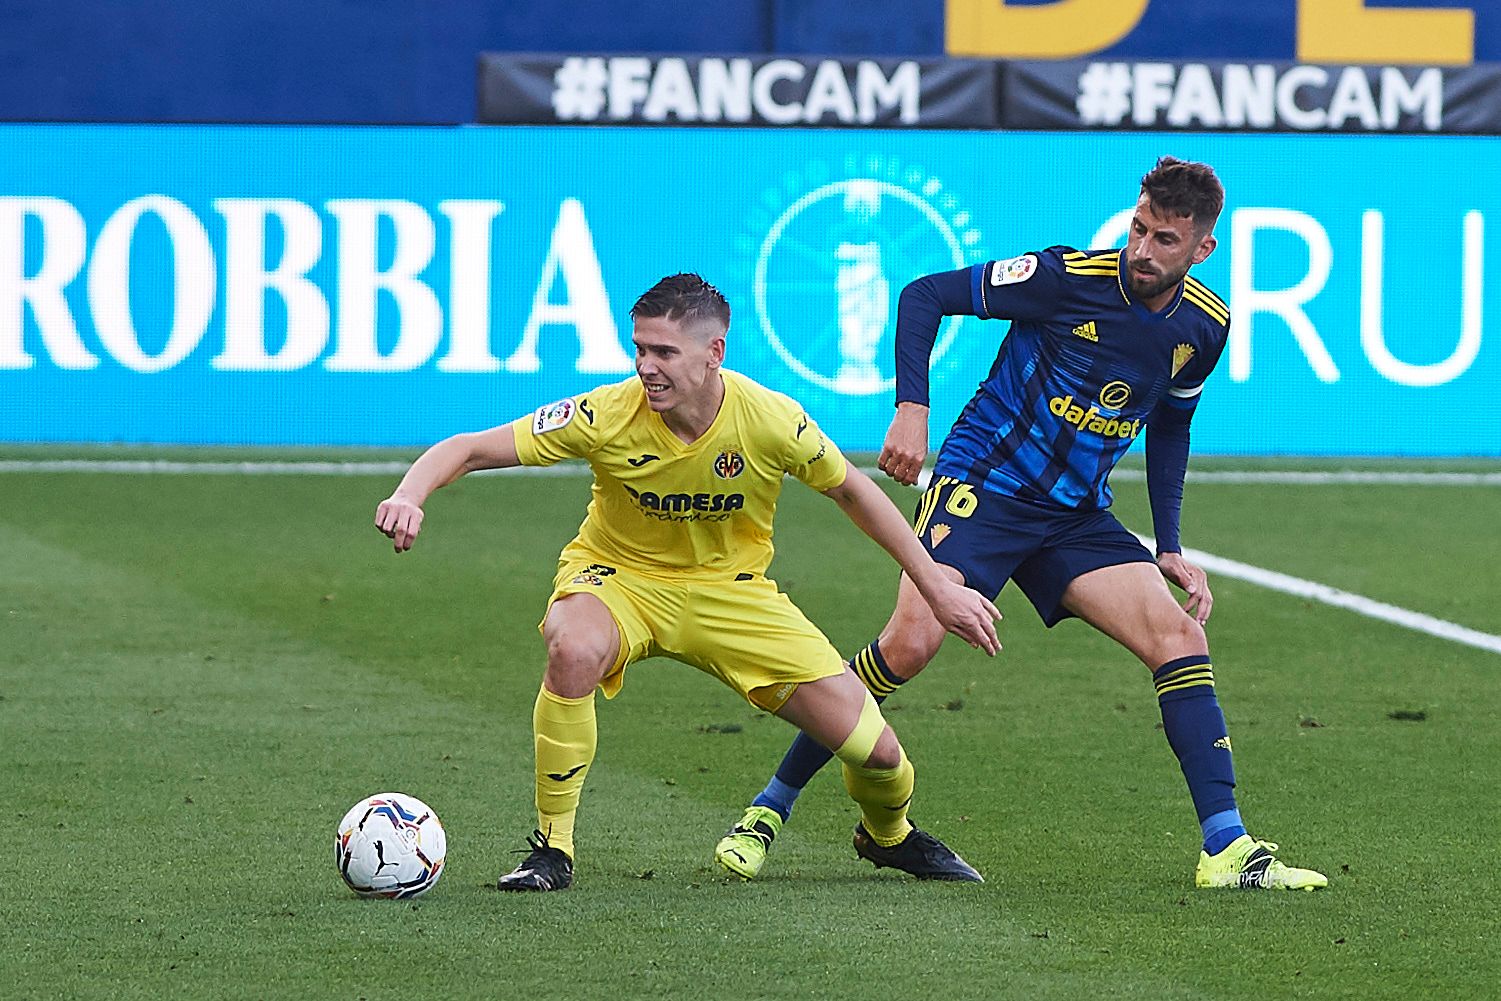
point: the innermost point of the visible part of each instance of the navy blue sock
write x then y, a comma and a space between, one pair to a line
806, 755
1195, 729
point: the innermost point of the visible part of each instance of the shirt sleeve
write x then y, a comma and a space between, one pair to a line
919, 311
1188, 382
1019, 288
1168, 437
811, 457
567, 429
1167, 464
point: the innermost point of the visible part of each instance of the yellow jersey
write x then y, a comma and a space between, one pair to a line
662, 506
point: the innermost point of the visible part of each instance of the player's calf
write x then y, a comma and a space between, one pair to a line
912, 638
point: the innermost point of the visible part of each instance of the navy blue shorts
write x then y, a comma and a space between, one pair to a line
992, 538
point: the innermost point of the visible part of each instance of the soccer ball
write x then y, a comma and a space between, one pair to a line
390, 845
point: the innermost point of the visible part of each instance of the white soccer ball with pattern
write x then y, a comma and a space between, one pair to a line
390, 845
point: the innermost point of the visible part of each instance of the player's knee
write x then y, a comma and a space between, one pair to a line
1180, 636
907, 649
887, 753
576, 650
576, 662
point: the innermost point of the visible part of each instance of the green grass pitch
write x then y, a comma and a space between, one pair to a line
199, 674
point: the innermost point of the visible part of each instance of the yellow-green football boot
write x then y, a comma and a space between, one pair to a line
742, 850
1249, 864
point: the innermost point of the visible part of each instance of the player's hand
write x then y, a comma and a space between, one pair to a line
1193, 580
906, 443
967, 614
399, 519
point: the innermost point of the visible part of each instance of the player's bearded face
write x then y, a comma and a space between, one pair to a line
675, 365
1160, 250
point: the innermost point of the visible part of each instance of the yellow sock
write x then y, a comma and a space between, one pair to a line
884, 795
565, 735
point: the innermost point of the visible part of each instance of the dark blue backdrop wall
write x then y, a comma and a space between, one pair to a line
413, 60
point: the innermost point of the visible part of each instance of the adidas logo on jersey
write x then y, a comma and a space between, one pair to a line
1087, 331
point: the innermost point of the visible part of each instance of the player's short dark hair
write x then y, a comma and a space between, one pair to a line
1184, 188
684, 299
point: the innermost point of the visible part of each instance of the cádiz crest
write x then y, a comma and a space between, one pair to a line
1181, 354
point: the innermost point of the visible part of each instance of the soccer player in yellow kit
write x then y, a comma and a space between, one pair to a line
671, 560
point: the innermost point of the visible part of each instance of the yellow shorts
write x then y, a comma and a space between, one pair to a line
746, 633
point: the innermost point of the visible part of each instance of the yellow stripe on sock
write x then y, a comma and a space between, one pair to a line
1193, 674
1186, 684
867, 671
1199, 670
1183, 673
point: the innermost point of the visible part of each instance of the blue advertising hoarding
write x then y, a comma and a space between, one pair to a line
389, 286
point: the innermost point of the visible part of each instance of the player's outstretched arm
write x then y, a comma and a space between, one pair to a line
964, 612
399, 517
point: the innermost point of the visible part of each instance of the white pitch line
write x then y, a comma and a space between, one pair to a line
1297, 477
1300, 477
1358, 603
1269, 579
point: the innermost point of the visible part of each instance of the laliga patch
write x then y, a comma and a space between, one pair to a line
1018, 269
553, 416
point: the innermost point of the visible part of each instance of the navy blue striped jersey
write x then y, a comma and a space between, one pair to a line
1078, 375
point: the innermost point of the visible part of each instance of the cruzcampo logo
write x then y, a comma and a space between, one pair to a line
833, 249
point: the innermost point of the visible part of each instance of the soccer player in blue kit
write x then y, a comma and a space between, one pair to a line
1102, 345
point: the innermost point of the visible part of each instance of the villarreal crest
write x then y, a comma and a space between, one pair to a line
729, 464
